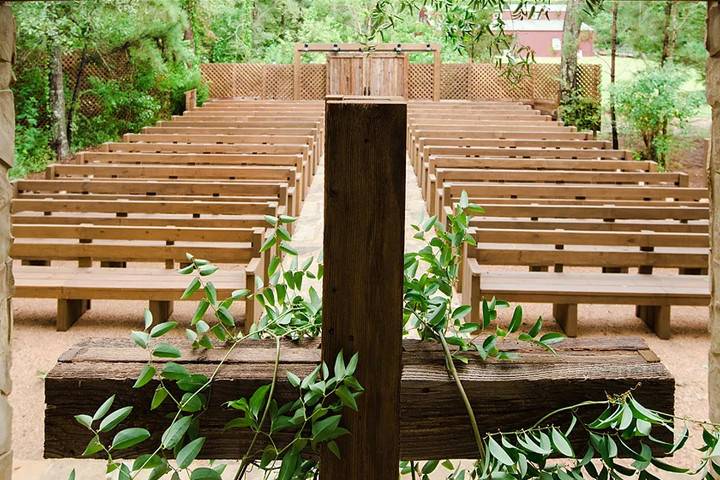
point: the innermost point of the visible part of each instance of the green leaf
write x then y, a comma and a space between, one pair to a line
104, 408
461, 312
162, 328
114, 419
429, 467
129, 438
224, 315
148, 318
165, 350
72, 475
191, 289
562, 444
516, 319
158, 397
536, 328
141, 339
499, 453
347, 398
175, 432
84, 420
258, 399
189, 452
207, 270
204, 473
552, 337
147, 374
93, 447
293, 379
200, 311
333, 447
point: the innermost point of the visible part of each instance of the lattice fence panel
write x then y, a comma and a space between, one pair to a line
248, 80
486, 82
312, 81
220, 77
589, 80
547, 81
454, 81
278, 82
420, 81
115, 66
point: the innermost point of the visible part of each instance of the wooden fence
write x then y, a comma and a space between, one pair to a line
458, 81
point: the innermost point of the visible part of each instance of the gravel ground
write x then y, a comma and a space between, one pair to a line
36, 346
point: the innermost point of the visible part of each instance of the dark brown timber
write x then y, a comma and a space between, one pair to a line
362, 300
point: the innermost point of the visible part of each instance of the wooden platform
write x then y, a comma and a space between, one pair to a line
511, 394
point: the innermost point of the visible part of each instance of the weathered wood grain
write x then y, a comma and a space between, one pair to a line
433, 423
362, 301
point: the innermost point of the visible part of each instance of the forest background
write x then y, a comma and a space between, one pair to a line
161, 44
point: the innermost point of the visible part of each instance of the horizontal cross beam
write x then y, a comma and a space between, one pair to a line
433, 421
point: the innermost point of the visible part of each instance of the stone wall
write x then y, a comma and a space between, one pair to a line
713, 97
7, 137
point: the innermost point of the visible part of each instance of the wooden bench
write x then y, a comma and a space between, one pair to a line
443, 176
583, 194
652, 293
74, 286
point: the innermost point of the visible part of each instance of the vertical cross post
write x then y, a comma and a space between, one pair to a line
363, 283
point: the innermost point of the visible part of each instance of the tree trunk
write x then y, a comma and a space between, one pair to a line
76, 91
613, 56
570, 43
668, 32
57, 103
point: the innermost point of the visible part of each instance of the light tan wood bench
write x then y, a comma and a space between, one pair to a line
74, 286
443, 176
653, 293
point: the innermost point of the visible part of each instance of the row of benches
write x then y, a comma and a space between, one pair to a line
116, 223
563, 212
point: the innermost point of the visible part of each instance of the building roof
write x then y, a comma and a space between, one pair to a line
539, 26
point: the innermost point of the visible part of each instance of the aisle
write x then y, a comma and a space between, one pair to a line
308, 236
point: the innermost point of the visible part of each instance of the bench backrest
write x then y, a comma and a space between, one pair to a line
578, 248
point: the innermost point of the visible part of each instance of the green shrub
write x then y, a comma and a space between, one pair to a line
122, 110
32, 151
651, 105
581, 112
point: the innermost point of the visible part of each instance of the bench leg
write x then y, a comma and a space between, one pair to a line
566, 316
657, 317
615, 270
69, 311
36, 263
111, 264
161, 310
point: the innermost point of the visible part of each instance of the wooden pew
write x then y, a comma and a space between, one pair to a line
652, 293
445, 176
74, 286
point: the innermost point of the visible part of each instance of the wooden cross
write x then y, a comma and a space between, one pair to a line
410, 408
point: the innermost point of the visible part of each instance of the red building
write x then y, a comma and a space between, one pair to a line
543, 32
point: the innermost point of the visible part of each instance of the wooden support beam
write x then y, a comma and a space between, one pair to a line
433, 421
363, 283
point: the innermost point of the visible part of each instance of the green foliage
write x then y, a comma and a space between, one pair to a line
163, 64
122, 110
641, 26
651, 105
581, 112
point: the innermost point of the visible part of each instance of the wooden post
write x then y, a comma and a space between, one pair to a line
7, 140
362, 287
296, 73
713, 97
190, 100
437, 78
